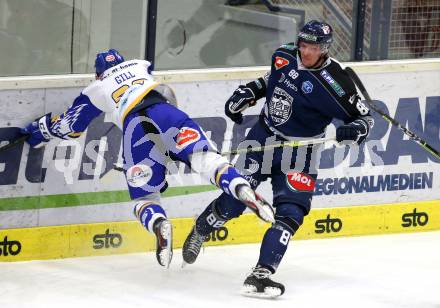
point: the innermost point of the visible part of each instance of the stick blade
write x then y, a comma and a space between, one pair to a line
13, 143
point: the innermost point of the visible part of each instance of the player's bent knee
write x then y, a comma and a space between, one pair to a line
217, 213
213, 217
229, 207
289, 216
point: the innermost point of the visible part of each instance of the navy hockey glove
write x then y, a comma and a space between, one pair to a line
354, 132
242, 98
38, 131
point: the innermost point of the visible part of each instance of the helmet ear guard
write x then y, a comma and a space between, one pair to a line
107, 59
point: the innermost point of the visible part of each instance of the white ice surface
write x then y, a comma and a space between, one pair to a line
373, 271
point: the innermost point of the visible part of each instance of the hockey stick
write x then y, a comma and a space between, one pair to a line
370, 103
293, 144
13, 143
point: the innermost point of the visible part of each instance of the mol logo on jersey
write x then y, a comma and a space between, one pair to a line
186, 136
280, 62
299, 181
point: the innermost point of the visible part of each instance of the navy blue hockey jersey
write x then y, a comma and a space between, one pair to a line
301, 102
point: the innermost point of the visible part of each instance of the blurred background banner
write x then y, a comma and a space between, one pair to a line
41, 37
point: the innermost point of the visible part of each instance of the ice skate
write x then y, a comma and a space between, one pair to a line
191, 247
164, 241
256, 203
258, 284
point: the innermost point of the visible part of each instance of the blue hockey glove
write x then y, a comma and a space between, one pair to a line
38, 131
354, 132
242, 98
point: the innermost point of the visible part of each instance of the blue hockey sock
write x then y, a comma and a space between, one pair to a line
148, 214
227, 178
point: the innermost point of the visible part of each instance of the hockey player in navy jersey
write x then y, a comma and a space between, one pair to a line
154, 131
304, 90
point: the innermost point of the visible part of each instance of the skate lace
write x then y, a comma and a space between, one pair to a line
261, 272
196, 242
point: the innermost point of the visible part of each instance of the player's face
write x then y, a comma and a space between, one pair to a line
310, 53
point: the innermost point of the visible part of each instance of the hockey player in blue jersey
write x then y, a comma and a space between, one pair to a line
304, 90
154, 131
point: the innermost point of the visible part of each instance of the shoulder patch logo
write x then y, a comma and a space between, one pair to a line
186, 136
280, 62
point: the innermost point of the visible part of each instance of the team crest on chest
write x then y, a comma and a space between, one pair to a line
280, 62
280, 106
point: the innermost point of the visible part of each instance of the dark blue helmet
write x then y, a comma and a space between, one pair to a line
107, 59
316, 32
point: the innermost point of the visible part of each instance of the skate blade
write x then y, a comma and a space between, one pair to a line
165, 258
269, 293
166, 231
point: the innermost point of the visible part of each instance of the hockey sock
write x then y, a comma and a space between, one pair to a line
227, 178
148, 214
274, 245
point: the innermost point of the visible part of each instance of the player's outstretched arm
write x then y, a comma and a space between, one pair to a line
68, 125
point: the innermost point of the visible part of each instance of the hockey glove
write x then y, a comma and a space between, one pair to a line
354, 132
242, 98
38, 131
